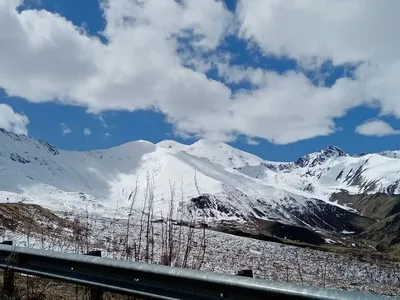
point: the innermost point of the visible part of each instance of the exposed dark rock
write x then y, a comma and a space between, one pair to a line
302, 161
210, 206
309, 188
51, 149
201, 202
355, 178
320, 214
326, 153
18, 158
23, 138
333, 151
391, 189
339, 176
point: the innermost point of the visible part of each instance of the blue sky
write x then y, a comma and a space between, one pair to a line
241, 45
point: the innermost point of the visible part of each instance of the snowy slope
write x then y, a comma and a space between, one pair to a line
104, 179
206, 178
216, 152
332, 170
391, 154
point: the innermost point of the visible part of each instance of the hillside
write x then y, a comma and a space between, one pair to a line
385, 209
208, 179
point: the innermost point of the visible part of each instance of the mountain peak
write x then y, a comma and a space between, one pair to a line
317, 158
333, 151
171, 144
12, 135
15, 141
223, 154
206, 142
390, 153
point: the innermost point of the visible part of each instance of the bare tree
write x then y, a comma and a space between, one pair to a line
141, 225
149, 223
202, 248
112, 240
325, 268
132, 198
299, 267
170, 245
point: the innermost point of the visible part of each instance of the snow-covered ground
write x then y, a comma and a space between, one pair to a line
226, 253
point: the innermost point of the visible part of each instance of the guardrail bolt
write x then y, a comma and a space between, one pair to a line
8, 277
96, 293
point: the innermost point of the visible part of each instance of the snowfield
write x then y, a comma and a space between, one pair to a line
238, 185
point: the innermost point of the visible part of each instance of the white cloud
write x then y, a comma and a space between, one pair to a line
289, 108
65, 129
237, 74
140, 68
353, 32
343, 31
13, 121
107, 135
87, 132
103, 122
252, 141
376, 127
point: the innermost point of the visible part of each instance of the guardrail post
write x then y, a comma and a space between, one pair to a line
245, 273
96, 293
8, 277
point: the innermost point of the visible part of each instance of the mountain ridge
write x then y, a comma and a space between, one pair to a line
177, 145
210, 179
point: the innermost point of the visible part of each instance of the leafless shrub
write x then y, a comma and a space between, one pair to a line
325, 269
32, 216
299, 267
132, 198
287, 273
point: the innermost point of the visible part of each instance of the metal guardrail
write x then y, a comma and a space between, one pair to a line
148, 281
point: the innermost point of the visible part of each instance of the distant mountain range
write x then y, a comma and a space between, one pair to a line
325, 190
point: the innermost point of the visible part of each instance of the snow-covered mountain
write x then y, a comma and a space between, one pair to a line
216, 152
391, 154
206, 178
332, 170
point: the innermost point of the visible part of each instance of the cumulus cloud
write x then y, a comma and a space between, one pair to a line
343, 32
150, 44
322, 29
13, 121
87, 132
376, 127
65, 129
